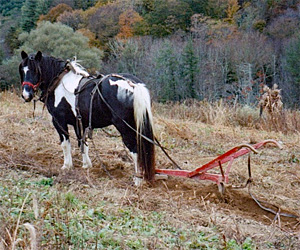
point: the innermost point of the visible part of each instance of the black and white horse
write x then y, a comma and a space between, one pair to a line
119, 100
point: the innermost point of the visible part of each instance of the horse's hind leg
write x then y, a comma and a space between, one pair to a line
138, 178
86, 161
129, 139
84, 148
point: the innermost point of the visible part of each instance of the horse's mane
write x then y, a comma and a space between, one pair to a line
52, 66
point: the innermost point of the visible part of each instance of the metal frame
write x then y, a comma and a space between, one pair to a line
201, 173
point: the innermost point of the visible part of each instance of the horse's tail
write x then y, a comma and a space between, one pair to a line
144, 126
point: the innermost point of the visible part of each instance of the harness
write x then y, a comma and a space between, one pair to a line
84, 82
88, 132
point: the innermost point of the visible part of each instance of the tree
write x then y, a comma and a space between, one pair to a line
55, 12
9, 75
29, 15
168, 74
43, 6
127, 54
31, 10
59, 40
167, 17
127, 20
104, 22
217, 9
11, 38
190, 69
84, 4
292, 53
232, 8
197, 6
73, 19
7, 7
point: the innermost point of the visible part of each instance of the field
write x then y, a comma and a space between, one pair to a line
42, 207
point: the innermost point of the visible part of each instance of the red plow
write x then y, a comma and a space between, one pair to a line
221, 178
201, 173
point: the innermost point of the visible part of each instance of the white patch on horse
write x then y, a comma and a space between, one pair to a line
25, 94
123, 87
137, 179
66, 89
134, 157
25, 69
79, 70
66, 147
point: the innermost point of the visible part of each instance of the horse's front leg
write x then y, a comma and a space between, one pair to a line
62, 130
66, 147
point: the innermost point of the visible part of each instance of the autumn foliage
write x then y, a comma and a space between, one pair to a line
127, 20
55, 12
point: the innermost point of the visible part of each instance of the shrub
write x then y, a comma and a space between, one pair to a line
59, 40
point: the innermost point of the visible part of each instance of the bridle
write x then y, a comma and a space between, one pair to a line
34, 86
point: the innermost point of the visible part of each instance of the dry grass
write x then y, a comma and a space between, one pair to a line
222, 114
194, 134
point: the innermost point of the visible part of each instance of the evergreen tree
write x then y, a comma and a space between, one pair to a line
11, 39
43, 6
167, 17
1, 56
29, 15
9, 6
292, 52
168, 77
190, 69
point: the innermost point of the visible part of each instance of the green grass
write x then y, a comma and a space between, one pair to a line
66, 219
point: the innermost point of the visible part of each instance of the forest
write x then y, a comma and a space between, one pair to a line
209, 65
182, 49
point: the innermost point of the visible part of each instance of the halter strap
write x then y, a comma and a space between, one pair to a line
31, 85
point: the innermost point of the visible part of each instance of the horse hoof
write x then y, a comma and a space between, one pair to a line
86, 166
65, 167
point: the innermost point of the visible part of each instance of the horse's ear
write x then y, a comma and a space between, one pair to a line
38, 56
24, 55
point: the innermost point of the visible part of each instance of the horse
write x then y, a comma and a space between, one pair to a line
74, 97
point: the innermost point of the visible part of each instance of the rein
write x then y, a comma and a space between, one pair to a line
263, 204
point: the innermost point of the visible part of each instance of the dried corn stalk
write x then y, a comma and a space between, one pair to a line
271, 100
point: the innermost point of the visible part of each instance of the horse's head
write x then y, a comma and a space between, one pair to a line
30, 74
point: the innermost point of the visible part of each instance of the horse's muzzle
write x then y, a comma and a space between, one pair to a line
27, 95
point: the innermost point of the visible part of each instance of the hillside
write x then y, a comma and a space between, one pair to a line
183, 49
85, 209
